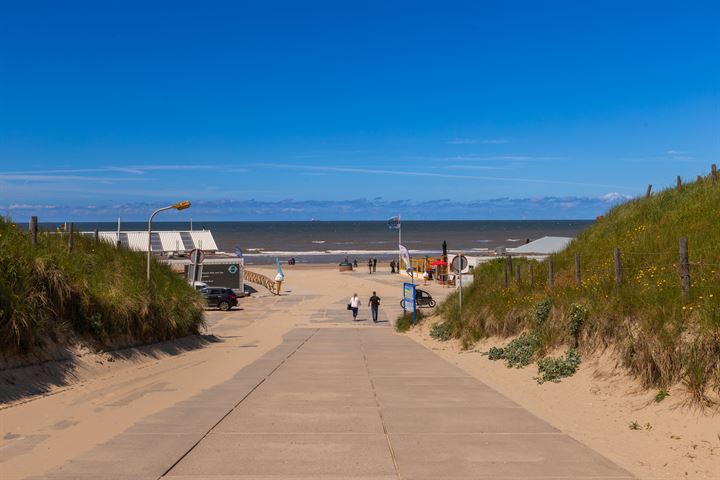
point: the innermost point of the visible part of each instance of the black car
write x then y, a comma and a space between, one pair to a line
222, 298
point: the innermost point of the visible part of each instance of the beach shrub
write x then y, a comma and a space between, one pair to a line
661, 337
97, 292
441, 331
518, 353
552, 369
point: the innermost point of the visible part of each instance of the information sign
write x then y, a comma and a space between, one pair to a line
409, 300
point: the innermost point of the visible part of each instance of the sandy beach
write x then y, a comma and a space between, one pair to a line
105, 394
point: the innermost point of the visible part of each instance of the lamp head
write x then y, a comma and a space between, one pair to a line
182, 205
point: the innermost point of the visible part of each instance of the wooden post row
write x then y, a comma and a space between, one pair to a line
577, 270
713, 171
507, 273
684, 267
649, 191
71, 237
618, 267
679, 183
517, 274
33, 230
531, 275
551, 273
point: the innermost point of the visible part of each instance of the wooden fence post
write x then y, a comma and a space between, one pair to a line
699, 178
679, 183
507, 273
713, 171
684, 267
33, 230
649, 191
517, 275
531, 275
551, 273
618, 267
71, 239
97, 237
577, 270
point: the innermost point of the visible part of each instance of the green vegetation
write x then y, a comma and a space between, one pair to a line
661, 337
552, 369
97, 292
440, 331
519, 353
403, 323
661, 395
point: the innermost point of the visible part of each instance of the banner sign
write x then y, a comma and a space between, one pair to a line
405, 257
394, 223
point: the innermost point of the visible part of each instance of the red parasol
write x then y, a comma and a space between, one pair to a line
438, 262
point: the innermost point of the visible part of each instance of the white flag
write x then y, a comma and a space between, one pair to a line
405, 257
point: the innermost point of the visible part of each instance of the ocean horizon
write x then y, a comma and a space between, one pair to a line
333, 241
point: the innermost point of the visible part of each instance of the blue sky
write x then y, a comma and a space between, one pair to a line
340, 110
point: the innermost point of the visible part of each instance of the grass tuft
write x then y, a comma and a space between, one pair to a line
661, 337
98, 292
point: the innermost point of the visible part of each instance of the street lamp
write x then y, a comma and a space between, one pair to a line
178, 206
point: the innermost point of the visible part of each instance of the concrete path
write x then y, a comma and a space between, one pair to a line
357, 402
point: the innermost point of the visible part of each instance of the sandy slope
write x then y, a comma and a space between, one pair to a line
596, 407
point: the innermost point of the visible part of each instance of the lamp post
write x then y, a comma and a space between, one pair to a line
178, 206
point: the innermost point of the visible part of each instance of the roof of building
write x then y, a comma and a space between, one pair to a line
543, 246
161, 241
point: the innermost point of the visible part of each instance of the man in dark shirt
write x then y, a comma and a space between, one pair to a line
374, 304
374, 265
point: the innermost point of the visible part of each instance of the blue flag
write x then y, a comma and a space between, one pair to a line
394, 223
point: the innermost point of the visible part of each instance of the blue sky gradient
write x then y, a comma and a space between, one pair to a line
112, 108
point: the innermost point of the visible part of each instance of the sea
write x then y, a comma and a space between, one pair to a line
334, 241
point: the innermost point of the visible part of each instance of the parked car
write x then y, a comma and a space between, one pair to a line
222, 298
422, 299
199, 285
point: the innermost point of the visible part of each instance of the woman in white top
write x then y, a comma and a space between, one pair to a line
354, 305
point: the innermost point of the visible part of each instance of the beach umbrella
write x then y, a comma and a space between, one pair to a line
444, 255
439, 262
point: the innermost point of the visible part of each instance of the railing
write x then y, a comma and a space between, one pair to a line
260, 279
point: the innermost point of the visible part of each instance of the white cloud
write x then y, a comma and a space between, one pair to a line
615, 197
473, 141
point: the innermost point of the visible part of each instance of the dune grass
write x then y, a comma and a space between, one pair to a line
661, 337
98, 292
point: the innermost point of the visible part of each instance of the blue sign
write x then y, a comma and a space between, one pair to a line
409, 300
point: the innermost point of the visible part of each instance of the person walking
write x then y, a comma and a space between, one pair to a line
392, 266
374, 265
374, 304
355, 264
354, 305
370, 264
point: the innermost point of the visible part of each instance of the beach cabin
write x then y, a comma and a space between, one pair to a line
161, 242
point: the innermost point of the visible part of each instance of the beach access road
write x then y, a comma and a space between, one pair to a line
294, 389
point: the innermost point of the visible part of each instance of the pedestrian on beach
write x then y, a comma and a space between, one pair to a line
370, 264
355, 263
354, 305
392, 266
374, 265
374, 304
426, 276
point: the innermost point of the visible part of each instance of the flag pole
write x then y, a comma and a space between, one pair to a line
399, 243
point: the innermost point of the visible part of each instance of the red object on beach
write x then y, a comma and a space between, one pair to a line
439, 262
